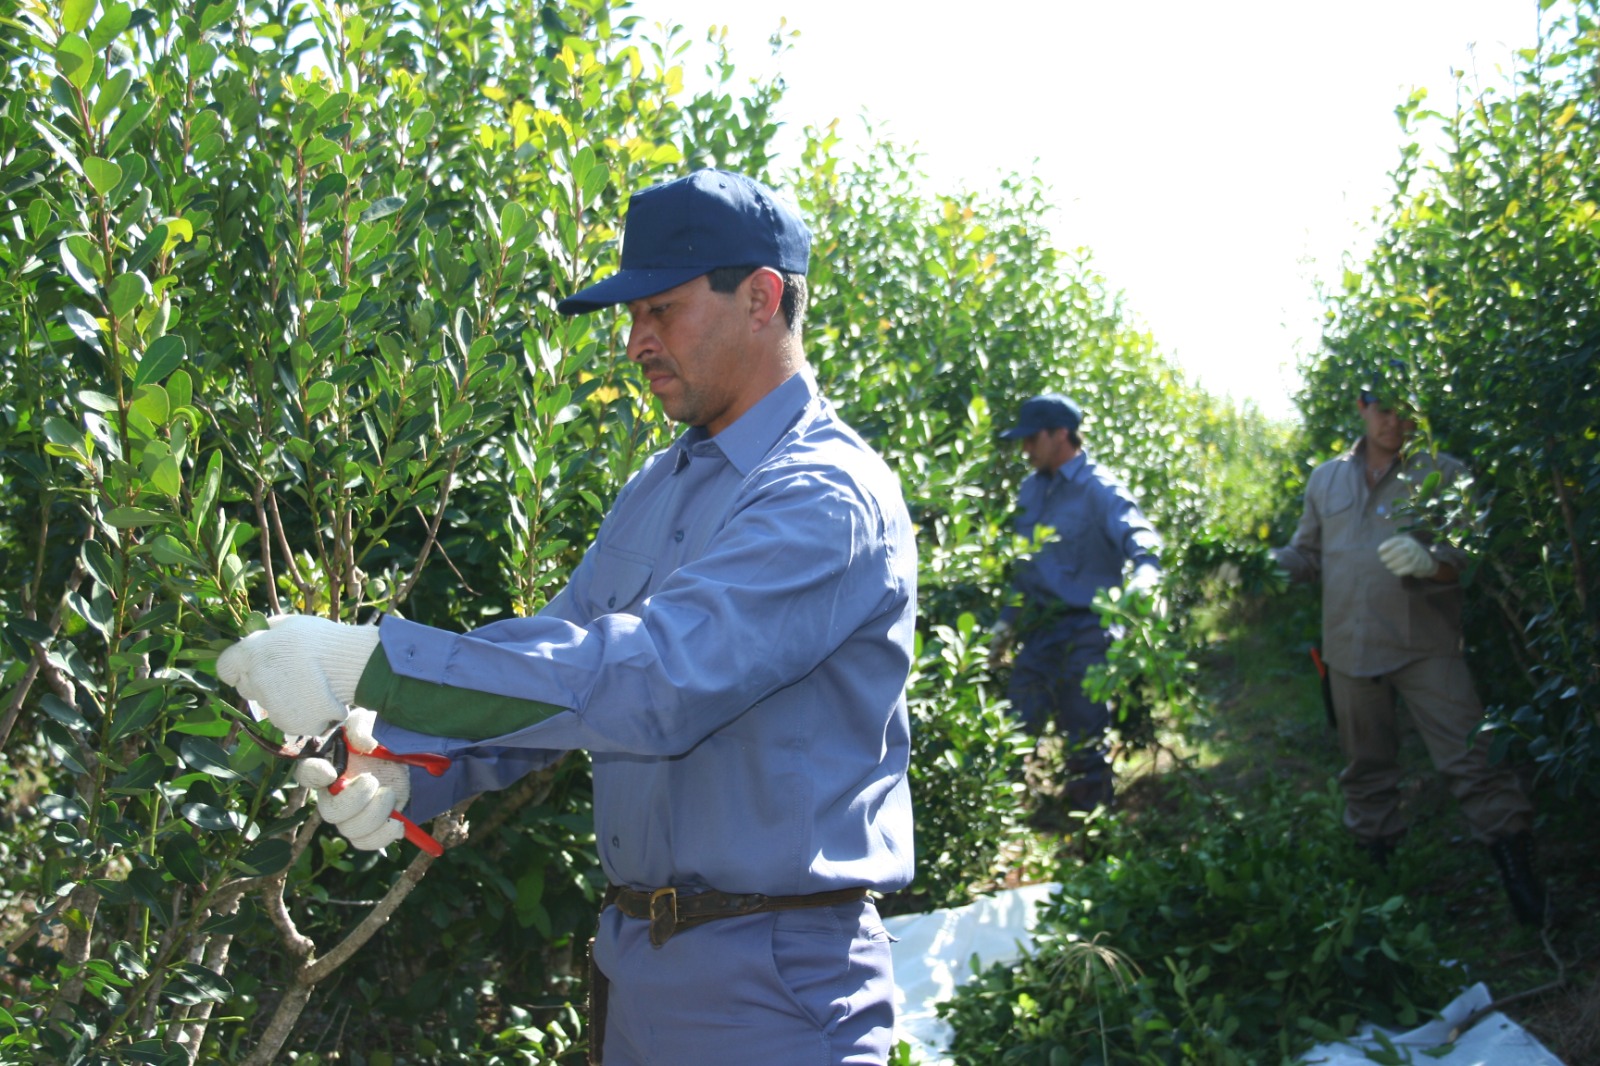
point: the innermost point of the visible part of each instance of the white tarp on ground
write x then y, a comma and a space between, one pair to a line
1494, 1040
934, 952
934, 956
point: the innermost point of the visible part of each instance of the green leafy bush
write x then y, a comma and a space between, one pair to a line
277, 332
1204, 937
1481, 290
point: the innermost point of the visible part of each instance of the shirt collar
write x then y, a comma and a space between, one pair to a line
1069, 470
747, 441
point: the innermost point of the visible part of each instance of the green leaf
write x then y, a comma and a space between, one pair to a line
61, 808
212, 819
61, 746
383, 208
135, 712
206, 756
167, 478
151, 402
512, 218
126, 292
64, 713
134, 517
84, 326
167, 549
182, 858
318, 397
118, 893
67, 155
210, 485
131, 119
151, 889
111, 94
194, 984
75, 14
153, 242
162, 357
214, 13
266, 858
594, 181
115, 19
180, 389
103, 174
145, 771
127, 959
77, 269
105, 569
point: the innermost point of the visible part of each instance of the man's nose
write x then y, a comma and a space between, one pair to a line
636, 343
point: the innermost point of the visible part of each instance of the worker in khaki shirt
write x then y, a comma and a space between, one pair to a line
1391, 624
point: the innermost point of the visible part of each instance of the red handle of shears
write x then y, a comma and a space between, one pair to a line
434, 764
418, 835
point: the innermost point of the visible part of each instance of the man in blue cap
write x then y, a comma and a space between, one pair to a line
1088, 528
732, 650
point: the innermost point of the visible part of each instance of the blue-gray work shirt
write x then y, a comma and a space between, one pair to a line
1098, 529
733, 650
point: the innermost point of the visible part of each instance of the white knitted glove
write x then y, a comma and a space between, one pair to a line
1226, 573
359, 803
302, 671
1405, 556
1000, 640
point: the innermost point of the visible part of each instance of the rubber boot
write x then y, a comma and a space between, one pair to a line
1378, 850
1514, 856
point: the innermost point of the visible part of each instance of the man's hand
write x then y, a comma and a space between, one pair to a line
1146, 584
370, 791
1405, 556
1000, 638
1281, 574
302, 670
1226, 573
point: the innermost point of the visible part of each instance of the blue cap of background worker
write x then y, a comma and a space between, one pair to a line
681, 229
1050, 411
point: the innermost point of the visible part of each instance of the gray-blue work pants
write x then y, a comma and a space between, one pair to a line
812, 986
1047, 686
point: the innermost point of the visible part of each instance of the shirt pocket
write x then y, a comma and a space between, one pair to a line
621, 581
1339, 513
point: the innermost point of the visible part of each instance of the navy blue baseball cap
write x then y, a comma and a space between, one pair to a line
1049, 411
681, 229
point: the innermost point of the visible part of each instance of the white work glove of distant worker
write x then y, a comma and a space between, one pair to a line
301, 670
1405, 556
359, 803
1000, 639
1146, 583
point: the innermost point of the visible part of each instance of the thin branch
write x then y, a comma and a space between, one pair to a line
266, 548
433, 529
1580, 572
450, 830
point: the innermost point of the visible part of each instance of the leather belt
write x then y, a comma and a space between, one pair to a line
668, 912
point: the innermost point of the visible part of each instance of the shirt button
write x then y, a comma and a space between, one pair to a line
612, 602
616, 842
678, 536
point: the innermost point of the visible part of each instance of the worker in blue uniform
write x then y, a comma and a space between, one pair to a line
732, 651
1087, 531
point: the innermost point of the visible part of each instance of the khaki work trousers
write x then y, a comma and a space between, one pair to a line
1439, 693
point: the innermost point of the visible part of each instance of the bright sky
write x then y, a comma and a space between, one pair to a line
1216, 158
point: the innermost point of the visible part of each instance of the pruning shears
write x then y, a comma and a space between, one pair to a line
336, 749
1327, 687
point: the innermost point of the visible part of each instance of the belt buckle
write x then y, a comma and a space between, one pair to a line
663, 915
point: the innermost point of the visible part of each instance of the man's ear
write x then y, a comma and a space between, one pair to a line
766, 295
